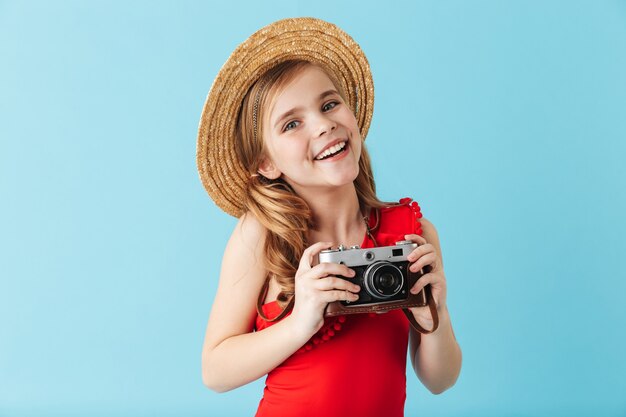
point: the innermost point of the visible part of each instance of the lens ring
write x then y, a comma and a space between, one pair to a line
377, 276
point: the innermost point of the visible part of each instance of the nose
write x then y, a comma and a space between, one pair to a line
325, 124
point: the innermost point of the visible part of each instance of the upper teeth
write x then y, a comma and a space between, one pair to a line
331, 150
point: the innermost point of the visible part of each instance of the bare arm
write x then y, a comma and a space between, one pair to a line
244, 358
232, 354
437, 358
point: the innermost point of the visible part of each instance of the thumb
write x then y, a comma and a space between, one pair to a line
309, 255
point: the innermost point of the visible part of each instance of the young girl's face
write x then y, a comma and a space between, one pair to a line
311, 135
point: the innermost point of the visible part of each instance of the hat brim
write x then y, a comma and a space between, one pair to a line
222, 174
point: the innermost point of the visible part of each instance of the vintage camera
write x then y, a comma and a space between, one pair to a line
383, 275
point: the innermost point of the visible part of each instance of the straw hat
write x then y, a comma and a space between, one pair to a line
222, 173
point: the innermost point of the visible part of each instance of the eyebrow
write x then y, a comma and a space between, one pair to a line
297, 109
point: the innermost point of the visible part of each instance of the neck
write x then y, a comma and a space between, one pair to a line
336, 214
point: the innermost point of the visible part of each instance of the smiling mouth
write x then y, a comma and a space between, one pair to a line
332, 151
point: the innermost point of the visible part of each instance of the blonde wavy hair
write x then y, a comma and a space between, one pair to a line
286, 217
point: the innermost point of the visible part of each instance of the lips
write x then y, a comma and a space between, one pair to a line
333, 147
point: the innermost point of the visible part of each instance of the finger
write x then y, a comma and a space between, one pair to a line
338, 295
422, 282
334, 283
309, 253
427, 259
331, 268
415, 238
419, 251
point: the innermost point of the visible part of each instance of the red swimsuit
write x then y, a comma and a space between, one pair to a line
355, 365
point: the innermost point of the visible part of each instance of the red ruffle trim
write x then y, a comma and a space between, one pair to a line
417, 213
327, 332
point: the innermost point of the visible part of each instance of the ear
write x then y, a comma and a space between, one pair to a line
268, 169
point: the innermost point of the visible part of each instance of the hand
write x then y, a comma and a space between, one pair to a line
316, 286
425, 256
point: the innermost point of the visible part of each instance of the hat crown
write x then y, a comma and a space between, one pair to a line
311, 39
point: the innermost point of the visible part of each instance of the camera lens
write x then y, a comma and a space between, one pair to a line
383, 280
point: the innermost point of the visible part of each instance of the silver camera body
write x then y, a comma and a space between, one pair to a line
382, 272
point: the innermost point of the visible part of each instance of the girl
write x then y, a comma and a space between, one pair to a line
281, 147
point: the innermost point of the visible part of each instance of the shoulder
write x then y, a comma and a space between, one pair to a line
242, 276
243, 267
250, 227
248, 235
430, 234
428, 229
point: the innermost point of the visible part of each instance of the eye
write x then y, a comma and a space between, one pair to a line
330, 105
290, 125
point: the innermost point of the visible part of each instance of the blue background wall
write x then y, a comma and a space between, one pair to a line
505, 120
